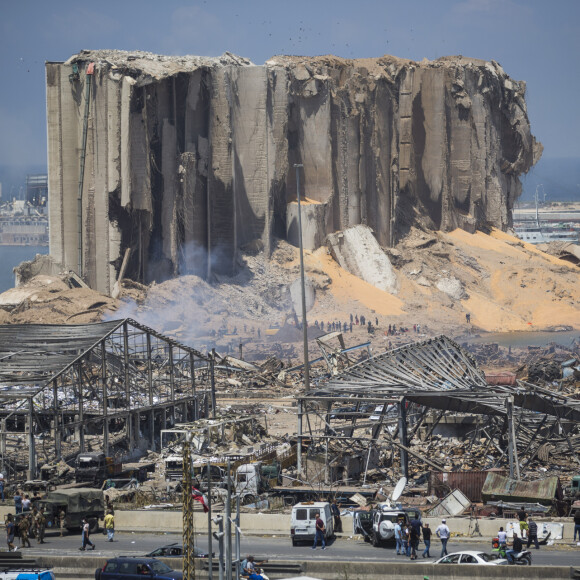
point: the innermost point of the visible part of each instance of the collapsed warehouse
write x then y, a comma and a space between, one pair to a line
111, 386
389, 407
424, 410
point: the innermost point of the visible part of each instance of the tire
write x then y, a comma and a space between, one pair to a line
248, 499
527, 561
293, 543
98, 574
375, 540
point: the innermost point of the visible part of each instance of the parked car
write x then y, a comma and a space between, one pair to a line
127, 568
176, 551
27, 575
470, 557
363, 410
362, 523
384, 519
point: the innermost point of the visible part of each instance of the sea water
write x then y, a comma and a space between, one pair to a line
10, 257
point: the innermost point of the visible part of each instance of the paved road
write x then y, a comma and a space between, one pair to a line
277, 548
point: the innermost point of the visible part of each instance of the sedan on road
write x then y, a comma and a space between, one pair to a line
176, 551
471, 557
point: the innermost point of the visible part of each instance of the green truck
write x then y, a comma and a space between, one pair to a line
76, 503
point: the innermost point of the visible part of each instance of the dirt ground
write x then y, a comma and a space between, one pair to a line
503, 284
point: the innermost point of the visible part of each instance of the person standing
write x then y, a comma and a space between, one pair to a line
532, 533
406, 539
86, 541
17, 502
502, 538
335, 508
399, 538
23, 528
40, 525
523, 517
443, 534
427, 540
62, 521
577, 524
10, 530
319, 534
110, 525
414, 537
26, 504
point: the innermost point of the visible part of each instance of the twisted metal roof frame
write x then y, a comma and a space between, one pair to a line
35, 354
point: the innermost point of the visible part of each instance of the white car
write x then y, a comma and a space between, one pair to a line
469, 557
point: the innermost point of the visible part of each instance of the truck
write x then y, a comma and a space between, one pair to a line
95, 468
384, 519
572, 492
253, 479
77, 503
174, 471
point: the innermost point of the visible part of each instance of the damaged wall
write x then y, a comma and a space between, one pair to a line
190, 158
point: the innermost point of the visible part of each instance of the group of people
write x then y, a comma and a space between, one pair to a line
527, 527
517, 544
86, 530
31, 524
23, 504
408, 536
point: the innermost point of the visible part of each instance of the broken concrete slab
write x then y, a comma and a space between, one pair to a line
358, 252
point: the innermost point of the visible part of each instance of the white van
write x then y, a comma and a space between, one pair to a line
303, 521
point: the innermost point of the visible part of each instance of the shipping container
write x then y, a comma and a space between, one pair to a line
470, 483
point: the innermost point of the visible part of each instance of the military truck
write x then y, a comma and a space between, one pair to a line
77, 503
94, 468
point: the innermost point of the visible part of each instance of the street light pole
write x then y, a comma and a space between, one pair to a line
297, 166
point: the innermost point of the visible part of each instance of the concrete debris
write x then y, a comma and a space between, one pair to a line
357, 251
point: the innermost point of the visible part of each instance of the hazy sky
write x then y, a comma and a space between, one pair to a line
534, 40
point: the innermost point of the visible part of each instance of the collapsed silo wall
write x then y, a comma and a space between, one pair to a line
188, 159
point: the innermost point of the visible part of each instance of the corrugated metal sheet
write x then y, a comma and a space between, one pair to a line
470, 483
499, 487
453, 504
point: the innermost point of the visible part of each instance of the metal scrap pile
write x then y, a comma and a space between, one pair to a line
454, 420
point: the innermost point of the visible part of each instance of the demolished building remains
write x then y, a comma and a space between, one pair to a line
171, 164
65, 389
396, 400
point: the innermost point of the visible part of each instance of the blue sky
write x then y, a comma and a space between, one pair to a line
537, 41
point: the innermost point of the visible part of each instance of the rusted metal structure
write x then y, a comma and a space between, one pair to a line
389, 396
497, 487
469, 483
116, 379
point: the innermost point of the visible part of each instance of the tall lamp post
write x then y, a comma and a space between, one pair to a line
297, 166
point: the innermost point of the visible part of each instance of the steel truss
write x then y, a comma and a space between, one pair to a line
58, 381
411, 381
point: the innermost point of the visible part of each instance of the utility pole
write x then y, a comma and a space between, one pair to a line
212, 378
209, 534
188, 532
297, 166
228, 525
219, 536
237, 525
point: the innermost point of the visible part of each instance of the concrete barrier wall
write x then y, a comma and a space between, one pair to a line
327, 570
279, 524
